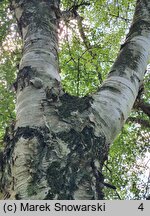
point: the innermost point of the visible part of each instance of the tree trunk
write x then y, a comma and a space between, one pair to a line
59, 142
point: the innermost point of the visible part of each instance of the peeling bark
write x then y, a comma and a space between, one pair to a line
59, 142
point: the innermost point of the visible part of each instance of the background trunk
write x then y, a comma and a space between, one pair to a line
59, 142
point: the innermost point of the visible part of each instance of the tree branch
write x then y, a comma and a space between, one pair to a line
140, 121
119, 17
71, 13
145, 107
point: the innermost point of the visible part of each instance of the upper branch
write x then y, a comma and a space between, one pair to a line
119, 91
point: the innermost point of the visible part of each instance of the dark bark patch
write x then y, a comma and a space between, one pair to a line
134, 78
122, 117
1, 161
26, 133
55, 177
39, 17
32, 189
137, 28
73, 103
85, 148
17, 197
110, 88
23, 77
52, 94
84, 142
126, 58
30, 133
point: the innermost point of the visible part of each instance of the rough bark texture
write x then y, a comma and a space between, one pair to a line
59, 142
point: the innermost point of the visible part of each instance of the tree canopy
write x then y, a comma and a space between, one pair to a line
89, 41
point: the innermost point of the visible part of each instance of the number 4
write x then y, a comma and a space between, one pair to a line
141, 207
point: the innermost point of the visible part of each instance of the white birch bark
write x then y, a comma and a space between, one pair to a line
61, 142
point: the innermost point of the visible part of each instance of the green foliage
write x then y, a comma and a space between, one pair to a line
88, 48
86, 59
126, 163
9, 58
7, 77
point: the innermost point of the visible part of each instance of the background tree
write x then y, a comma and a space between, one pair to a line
57, 147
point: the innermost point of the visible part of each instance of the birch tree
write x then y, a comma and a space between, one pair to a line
59, 142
